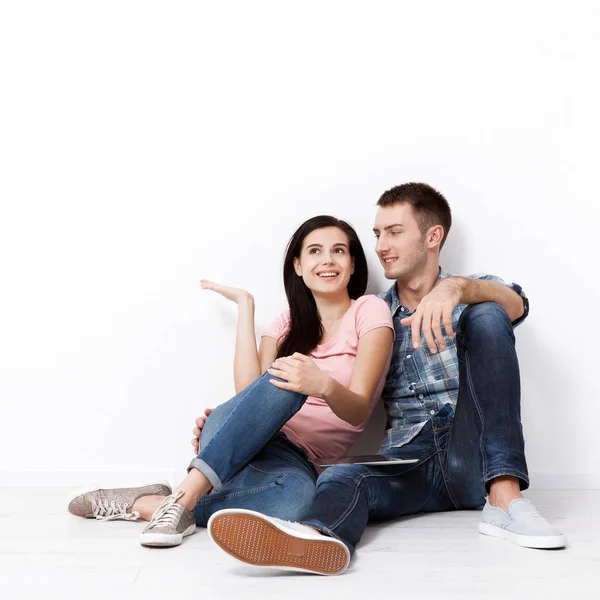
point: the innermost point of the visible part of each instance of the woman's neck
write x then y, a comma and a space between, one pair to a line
332, 309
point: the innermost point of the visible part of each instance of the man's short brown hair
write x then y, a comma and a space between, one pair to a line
429, 206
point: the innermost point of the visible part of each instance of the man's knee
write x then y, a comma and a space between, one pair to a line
487, 319
341, 475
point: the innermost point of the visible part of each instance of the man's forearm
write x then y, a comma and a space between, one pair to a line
474, 291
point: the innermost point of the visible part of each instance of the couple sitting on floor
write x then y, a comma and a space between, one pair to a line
437, 348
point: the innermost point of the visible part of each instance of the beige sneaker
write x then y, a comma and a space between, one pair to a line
112, 504
170, 523
263, 541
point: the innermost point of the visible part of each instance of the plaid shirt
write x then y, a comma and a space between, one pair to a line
419, 384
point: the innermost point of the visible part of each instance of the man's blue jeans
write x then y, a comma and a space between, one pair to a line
458, 454
250, 463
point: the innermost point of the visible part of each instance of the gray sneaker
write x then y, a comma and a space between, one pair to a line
112, 504
170, 523
522, 524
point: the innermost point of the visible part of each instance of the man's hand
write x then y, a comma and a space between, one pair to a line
434, 309
197, 431
300, 374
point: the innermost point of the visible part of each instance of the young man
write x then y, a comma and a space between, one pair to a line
452, 398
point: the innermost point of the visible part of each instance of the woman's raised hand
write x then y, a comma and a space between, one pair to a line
236, 295
301, 374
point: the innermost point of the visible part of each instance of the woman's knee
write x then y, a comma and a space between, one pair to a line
213, 423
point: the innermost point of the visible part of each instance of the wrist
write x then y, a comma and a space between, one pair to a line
459, 284
328, 386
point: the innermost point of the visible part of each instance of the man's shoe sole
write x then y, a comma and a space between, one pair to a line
257, 541
542, 542
165, 540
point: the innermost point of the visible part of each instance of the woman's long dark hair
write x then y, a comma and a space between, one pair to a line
305, 324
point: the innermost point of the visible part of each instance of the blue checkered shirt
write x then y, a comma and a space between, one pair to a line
419, 384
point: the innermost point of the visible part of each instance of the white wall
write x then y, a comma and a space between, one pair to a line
147, 144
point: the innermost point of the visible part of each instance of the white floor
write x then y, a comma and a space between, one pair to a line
46, 553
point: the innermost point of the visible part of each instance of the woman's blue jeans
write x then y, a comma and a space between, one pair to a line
459, 454
250, 463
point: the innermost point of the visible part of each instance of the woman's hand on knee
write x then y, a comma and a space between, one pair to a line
197, 431
300, 374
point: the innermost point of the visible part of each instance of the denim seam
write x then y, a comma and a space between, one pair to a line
359, 482
254, 468
478, 407
443, 470
212, 498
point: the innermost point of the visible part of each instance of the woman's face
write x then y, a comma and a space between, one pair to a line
325, 263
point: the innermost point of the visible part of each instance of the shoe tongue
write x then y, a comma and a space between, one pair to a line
520, 505
169, 512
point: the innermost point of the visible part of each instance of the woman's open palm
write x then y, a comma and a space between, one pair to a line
231, 293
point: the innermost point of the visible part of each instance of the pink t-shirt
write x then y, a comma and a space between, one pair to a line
315, 426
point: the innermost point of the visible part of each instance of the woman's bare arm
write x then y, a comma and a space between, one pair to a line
301, 374
246, 365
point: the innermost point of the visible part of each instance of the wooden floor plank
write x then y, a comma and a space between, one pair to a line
45, 552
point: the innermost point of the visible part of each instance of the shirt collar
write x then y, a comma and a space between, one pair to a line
392, 299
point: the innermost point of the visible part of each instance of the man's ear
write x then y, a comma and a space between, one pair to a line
435, 235
297, 267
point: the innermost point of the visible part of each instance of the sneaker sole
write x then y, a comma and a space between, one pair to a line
527, 541
256, 541
94, 487
166, 540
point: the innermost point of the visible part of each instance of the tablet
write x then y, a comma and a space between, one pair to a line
366, 459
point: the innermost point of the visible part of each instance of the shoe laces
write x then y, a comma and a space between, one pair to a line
167, 513
103, 510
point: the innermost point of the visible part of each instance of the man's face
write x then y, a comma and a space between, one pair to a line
400, 246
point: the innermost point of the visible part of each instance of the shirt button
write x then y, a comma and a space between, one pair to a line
408, 356
432, 412
402, 309
421, 396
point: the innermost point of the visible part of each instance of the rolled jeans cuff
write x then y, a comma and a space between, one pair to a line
491, 475
326, 531
207, 471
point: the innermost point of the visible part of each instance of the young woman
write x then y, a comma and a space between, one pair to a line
323, 364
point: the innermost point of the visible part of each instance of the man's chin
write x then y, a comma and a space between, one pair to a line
391, 274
